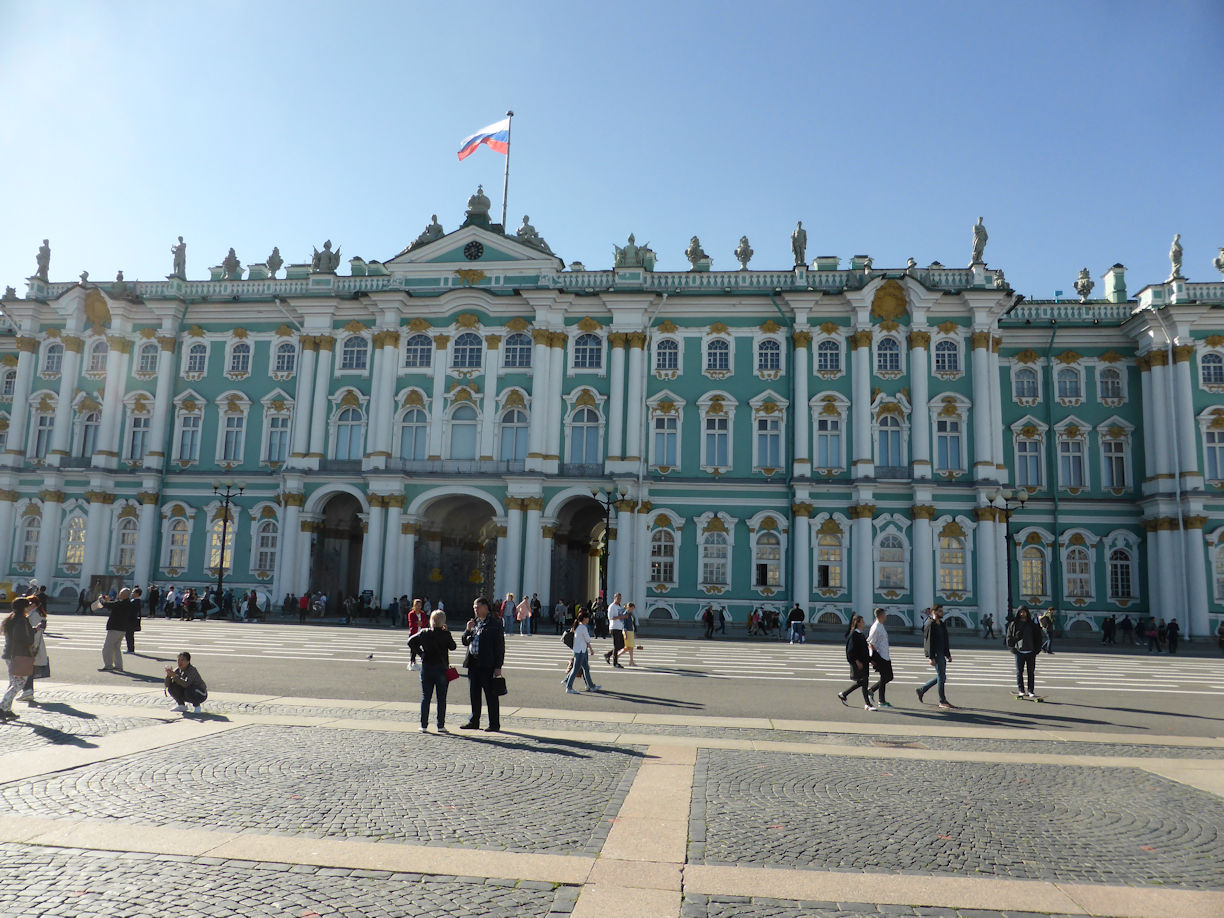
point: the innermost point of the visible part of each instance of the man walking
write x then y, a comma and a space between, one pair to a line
133, 624
1024, 639
119, 614
936, 649
486, 644
616, 624
1047, 627
877, 643
536, 608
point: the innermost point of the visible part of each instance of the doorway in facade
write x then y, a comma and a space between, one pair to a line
580, 551
336, 563
456, 554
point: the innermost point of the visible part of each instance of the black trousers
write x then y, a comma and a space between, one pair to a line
618, 644
131, 641
184, 695
1026, 663
480, 679
886, 676
861, 678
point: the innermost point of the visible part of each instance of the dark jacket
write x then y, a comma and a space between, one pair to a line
857, 651
1024, 636
935, 640
122, 614
433, 645
18, 637
189, 678
487, 642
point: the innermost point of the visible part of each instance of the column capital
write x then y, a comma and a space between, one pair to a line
984, 514
440, 342
308, 343
540, 335
802, 339
617, 339
27, 345
73, 343
557, 339
325, 342
533, 503
7, 495
1182, 353
922, 512
167, 343
861, 338
293, 499
492, 342
409, 528
394, 501
801, 508
636, 340
49, 496
388, 337
148, 498
99, 497
862, 511
919, 340
1157, 358
980, 340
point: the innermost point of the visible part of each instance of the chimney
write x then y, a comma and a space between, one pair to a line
1115, 284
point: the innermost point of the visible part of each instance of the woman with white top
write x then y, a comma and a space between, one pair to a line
877, 641
582, 644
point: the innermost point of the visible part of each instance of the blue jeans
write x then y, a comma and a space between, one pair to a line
525, 626
433, 678
941, 677
581, 661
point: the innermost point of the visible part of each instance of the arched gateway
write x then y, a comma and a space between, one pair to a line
455, 554
336, 555
579, 551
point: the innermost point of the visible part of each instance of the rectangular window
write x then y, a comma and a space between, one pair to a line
265, 558
125, 554
1213, 442
1113, 454
948, 445
663, 558
828, 443
717, 442
828, 563
769, 443
1071, 463
951, 565
231, 446
138, 438
1028, 463
189, 441
666, 429
42, 436
177, 556
714, 563
278, 440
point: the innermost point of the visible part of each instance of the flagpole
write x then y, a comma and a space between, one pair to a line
506, 180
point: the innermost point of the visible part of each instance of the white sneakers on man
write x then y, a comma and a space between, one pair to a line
180, 708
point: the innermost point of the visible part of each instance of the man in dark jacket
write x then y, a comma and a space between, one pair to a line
936, 649
120, 616
486, 643
1024, 639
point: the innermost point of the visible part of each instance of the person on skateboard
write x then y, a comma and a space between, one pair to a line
1024, 638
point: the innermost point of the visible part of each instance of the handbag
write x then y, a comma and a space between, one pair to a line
24, 667
499, 685
469, 660
568, 639
451, 674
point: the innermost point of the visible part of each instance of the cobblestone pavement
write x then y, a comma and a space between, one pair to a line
51, 725
84, 884
1061, 823
755, 907
503, 793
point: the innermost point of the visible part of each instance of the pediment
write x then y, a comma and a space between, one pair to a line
455, 251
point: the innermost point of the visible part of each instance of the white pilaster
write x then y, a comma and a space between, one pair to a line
97, 536
500, 569
392, 575
801, 545
382, 399
146, 535
514, 548
408, 539
1187, 434
303, 401
861, 464
634, 402
986, 555
556, 403
322, 389
48, 548
616, 397
1196, 572
920, 427
107, 453
620, 562
862, 584
372, 547
996, 415
8, 513
488, 420
923, 561
290, 545
307, 526
531, 554
16, 449
1170, 582
159, 429
437, 401
70, 370
983, 454
537, 421
1160, 431
802, 447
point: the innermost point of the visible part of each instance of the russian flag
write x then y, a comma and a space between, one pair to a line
496, 135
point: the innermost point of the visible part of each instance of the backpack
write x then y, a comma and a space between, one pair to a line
568, 639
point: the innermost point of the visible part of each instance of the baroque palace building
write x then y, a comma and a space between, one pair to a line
471, 416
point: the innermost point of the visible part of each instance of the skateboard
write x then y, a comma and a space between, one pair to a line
1019, 697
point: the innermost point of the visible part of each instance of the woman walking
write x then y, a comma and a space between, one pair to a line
36, 612
18, 653
630, 630
877, 642
433, 645
858, 657
582, 662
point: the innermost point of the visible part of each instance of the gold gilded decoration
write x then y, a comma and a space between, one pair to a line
388, 337
514, 399
586, 398
1182, 353
558, 339
801, 509
1028, 431
414, 398
890, 408
667, 327
190, 405
467, 320
240, 333
492, 342
1027, 356
617, 339
1157, 358
889, 325
462, 394
829, 527
1071, 432
148, 498
715, 524
860, 339
949, 409
54, 497
587, 324
518, 324
1116, 432
353, 327
984, 514
470, 276
96, 310
541, 336
119, 344
716, 406
980, 340
1069, 357
128, 513
74, 344
922, 512
1077, 539
418, 325
769, 524
440, 342
829, 407
921, 339
666, 406
31, 510
1111, 357
771, 327
325, 342
947, 327
862, 511
829, 328
99, 497
889, 302
350, 399
952, 531
636, 339
802, 339
718, 328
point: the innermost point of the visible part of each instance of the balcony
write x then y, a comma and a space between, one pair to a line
892, 473
457, 466
582, 469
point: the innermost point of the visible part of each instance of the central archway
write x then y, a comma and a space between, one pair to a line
456, 552
336, 561
579, 550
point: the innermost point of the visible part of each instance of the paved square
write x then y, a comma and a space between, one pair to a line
50, 725
1114, 826
504, 793
757, 907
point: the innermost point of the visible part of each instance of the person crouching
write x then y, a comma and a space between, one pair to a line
185, 685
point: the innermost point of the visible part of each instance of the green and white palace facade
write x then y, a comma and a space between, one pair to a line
472, 416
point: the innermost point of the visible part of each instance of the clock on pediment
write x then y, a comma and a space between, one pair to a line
473, 251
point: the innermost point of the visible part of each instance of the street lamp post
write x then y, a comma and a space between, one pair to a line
1012, 501
605, 501
227, 491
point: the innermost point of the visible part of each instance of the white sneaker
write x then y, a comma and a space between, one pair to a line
26, 696
442, 728
181, 708
197, 710
424, 729
570, 691
870, 707
595, 688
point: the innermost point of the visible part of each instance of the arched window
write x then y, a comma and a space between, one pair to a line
31, 534
463, 433
176, 539
888, 356
584, 437
197, 358
514, 435
890, 569
828, 356
221, 555
667, 355
1121, 583
1032, 571
951, 564
146, 359
518, 351
718, 355
418, 352
97, 357
350, 428
414, 431
1213, 370
1110, 382
588, 352
767, 565
267, 535
354, 353
286, 357
947, 357
769, 356
890, 441
1069, 384
714, 554
74, 542
1079, 573
1026, 383
89, 434
466, 352
662, 557
53, 359
828, 562
240, 358
125, 543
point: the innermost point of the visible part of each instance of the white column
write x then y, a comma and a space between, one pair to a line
635, 402
531, 554
1171, 565
48, 548
109, 429
996, 414
1161, 431
97, 536
303, 399
620, 562
437, 402
924, 560
861, 464
862, 585
801, 542
500, 575
322, 389
983, 455
1187, 434
382, 398
488, 421
306, 530
70, 370
372, 546
920, 426
163, 411
616, 398
291, 539
537, 421
986, 554
1002, 563
1199, 624
513, 557
8, 513
556, 382
408, 539
16, 449
802, 447
146, 535
544, 575
392, 576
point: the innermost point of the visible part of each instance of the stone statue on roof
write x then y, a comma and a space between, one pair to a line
527, 233
743, 253
44, 261
1218, 261
1084, 284
326, 261
232, 266
632, 255
180, 258
979, 242
695, 253
799, 244
120, 287
478, 204
274, 261
10, 293
1175, 257
84, 278
432, 231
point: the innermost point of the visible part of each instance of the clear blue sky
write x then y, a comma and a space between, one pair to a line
1085, 133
